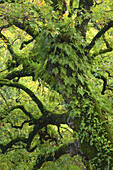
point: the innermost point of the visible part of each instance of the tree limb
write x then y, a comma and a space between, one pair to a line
104, 84
99, 34
27, 90
26, 28
51, 156
102, 52
9, 47
103, 36
43, 121
26, 43
18, 73
4, 148
4, 100
20, 127
23, 109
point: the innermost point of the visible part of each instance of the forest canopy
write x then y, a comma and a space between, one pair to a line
56, 84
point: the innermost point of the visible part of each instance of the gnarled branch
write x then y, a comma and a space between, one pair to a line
27, 90
43, 121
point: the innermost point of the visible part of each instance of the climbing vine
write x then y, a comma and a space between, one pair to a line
63, 49
64, 57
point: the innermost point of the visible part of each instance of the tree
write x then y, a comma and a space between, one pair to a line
65, 55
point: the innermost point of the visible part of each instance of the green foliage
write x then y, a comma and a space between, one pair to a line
63, 53
70, 78
65, 162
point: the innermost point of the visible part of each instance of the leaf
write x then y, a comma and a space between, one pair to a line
80, 90
55, 71
81, 78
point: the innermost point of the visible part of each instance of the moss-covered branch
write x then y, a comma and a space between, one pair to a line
104, 84
26, 43
4, 148
27, 90
50, 157
21, 22
43, 121
25, 27
108, 49
4, 99
102, 52
19, 127
18, 73
9, 47
99, 34
23, 109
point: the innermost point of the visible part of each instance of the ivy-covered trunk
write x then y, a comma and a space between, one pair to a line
61, 57
68, 71
72, 80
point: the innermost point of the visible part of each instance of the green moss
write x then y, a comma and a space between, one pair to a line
90, 151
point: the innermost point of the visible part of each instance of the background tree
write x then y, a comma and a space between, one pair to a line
66, 46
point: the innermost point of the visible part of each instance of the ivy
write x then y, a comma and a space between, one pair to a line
60, 58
